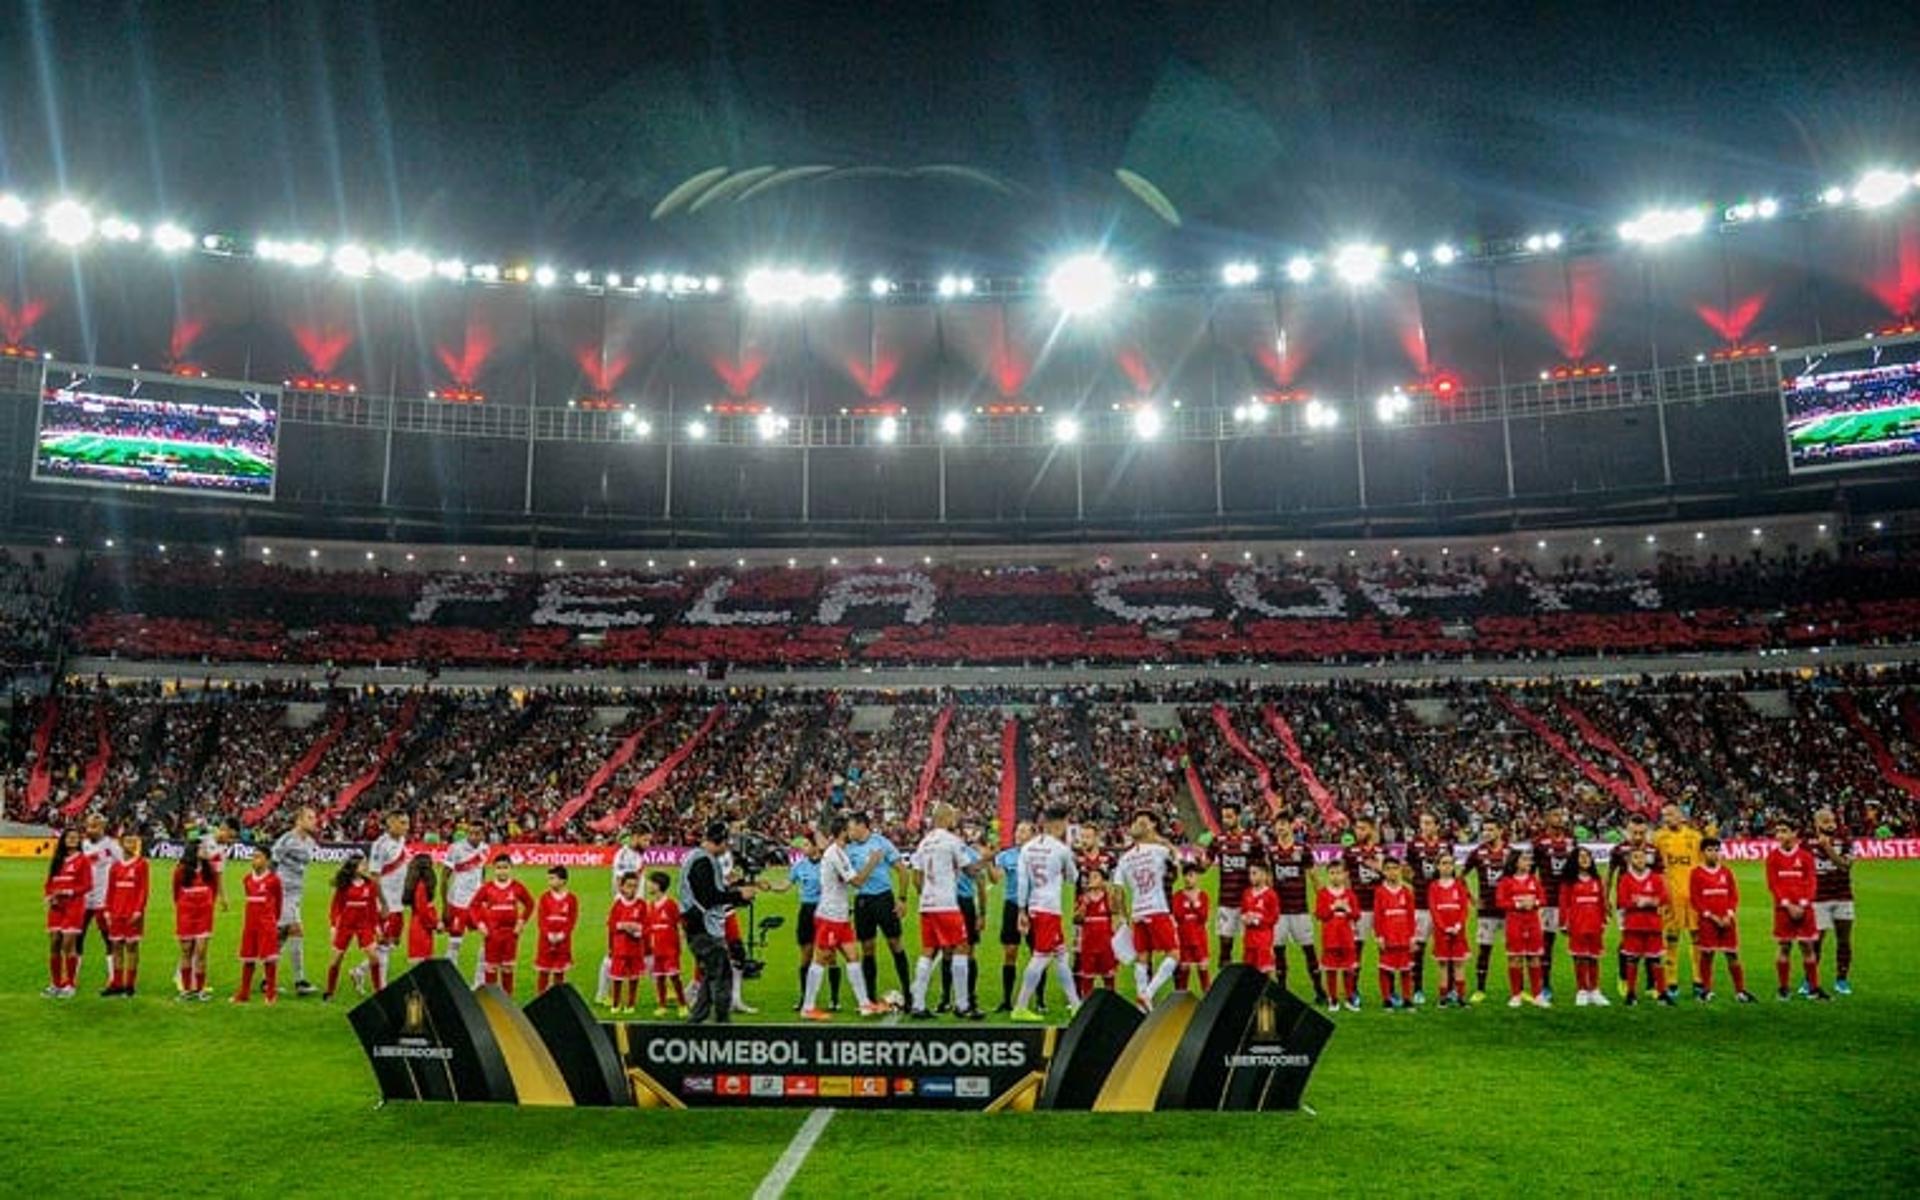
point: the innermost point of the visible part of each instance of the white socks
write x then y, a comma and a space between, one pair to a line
962, 998
1030, 980
858, 979
1064, 973
922, 976
606, 979
297, 957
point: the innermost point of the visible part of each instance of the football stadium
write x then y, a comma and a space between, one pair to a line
761, 600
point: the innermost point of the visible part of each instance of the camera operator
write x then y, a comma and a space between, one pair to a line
706, 901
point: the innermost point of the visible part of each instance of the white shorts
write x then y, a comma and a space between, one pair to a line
1227, 922
1826, 912
1550, 920
1294, 929
1490, 929
1422, 927
289, 909
1363, 928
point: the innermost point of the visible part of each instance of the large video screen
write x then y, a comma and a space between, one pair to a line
122, 429
1857, 409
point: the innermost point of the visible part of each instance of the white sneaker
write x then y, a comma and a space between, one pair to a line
1543, 1001
1516, 1001
741, 1006
1600, 1000
1580, 999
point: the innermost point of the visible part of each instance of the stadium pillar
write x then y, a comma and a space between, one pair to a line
943, 482
1079, 483
1219, 490
1500, 370
1359, 409
1659, 384
386, 452
668, 429
806, 471
533, 399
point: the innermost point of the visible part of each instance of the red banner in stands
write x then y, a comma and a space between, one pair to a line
657, 778
1009, 781
40, 782
1330, 814
1620, 788
1201, 802
96, 769
621, 756
1224, 722
936, 754
300, 769
353, 791
1599, 740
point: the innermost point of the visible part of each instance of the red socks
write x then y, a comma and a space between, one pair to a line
1386, 987
1659, 970
1537, 974
1739, 973
1514, 982
333, 978
246, 983
1812, 965
1704, 970
272, 990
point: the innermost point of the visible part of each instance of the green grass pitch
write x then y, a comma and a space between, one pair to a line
1852, 429
92, 449
1799, 1099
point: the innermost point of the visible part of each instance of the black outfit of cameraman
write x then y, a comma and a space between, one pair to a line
705, 921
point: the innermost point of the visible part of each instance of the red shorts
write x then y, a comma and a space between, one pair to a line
1396, 958
1450, 945
1786, 929
1194, 951
1154, 934
259, 943
67, 916
1096, 960
665, 953
829, 936
942, 931
733, 927
344, 936
1643, 943
459, 920
194, 922
392, 927
1711, 935
628, 964
1259, 954
1046, 932
128, 928
1585, 943
502, 947
1339, 958
419, 940
1525, 938
553, 956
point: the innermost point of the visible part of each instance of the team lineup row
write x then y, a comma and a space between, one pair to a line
1140, 902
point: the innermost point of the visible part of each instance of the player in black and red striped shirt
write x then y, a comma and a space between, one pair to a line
1235, 851
1553, 851
1291, 862
1833, 892
1366, 867
1487, 863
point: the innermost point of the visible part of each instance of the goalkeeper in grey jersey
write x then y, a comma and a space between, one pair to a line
292, 853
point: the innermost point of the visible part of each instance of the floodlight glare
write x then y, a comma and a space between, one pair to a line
1239, 274
1663, 225
697, 430
953, 424
69, 223
450, 269
352, 260
171, 239
1321, 416
408, 266
1300, 269
1147, 423
1410, 259
880, 285
545, 276
1066, 429
888, 429
1834, 195
1391, 406
1879, 188
1767, 208
769, 426
1357, 263
1083, 284
14, 211
1444, 254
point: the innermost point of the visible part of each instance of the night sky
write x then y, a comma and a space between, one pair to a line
553, 129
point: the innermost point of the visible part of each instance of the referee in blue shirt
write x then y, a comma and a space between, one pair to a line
876, 909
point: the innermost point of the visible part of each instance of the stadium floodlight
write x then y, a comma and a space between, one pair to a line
119, 229
1393, 405
407, 266
69, 223
770, 425
713, 284
880, 285
1658, 225
613, 279
953, 424
485, 272
1766, 208
450, 269
1444, 254
1834, 194
353, 260
888, 430
1879, 188
582, 278
1538, 242
697, 430
14, 211
1144, 279
1300, 268
1083, 284
1410, 259
657, 282
1320, 415
545, 276
1357, 263
169, 238
1147, 423
1253, 413
1239, 274
1066, 429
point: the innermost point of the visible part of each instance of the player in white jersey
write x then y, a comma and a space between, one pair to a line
387, 863
833, 923
464, 869
292, 853
1144, 869
937, 865
1046, 866
630, 858
101, 851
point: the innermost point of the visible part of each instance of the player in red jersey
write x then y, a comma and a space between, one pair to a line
1487, 863
1338, 909
423, 920
1093, 924
501, 908
1190, 908
1522, 897
260, 928
69, 878
1365, 861
1449, 904
1716, 901
354, 914
1235, 849
626, 944
195, 886
1640, 894
1260, 917
1553, 866
1583, 914
1424, 853
1833, 893
1291, 863
663, 944
557, 912
1395, 925
1791, 880
128, 887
